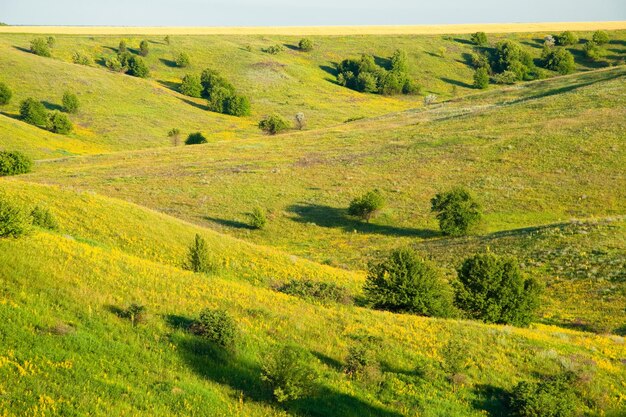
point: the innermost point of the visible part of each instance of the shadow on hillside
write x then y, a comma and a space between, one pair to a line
620, 331
328, 361
51, 106
330, 69
244, 376
581, 59
168, 62
332, 217
290, 46
464, 41
494, 400
11, 115
172, 85
229, 223
457, 83
193, 103
383, 62
19, 48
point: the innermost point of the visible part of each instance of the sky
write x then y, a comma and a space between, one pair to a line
303, 13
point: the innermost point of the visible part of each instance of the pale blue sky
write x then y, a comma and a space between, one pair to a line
302, 13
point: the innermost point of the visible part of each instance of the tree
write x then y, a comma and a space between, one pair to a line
400, 61
273, 124
551, 396
70, 102
365, 206
558, 59
288, 374
167, 39
198, 256
114, 64
42, 217
216, 326
59, 123
195, 139
182, 60
5, 94
144, 48
593, 52
33, 112
51, 41
479, 38
492, 289
406, 283
305, 45
39, 46
191, 86
566, 38
14, 162
273, 49
258, 220
457, 211
122, 47
300, 120
600, 37
510, 56
237, 105
81, 59
137, 67
481, 78
174, 134
14, 222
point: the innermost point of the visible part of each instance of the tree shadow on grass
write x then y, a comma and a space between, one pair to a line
330, 69
494, 400
457, 83
193, 103
229, 223
292, 47
244, 376
19, 48
464, 41
168, 62
333, 217
581, 59
52, 106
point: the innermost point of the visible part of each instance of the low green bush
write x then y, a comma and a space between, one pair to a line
258, 219
198, 256
316, 291
196, 138
70, 102
39, 46
182, 60
456, 210
274, 49
191, 86
59, 123
365, 206
42, 217
273, 124
5, 94
81, 59
288, 373
34, 112
479, 38
305, 44
552, 396
216, 326
14, 163
14, 222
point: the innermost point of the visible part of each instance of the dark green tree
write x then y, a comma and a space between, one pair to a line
191, 86
551, 396
305, 44
137, 67
195, 139
600, 37
14, 222
558, 59
218, 327
198, 256
14, 163
144, 48
33, 112
122, 47
70, 102
5, 94
366, 205
566, 38
273, 124
59, 123
182, 60
479, 38
457, 211
481, 78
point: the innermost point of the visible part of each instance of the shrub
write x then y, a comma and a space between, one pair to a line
182, 60
216, 326
566, 38
493, 289
506, 77
144, 48
549, 41
361, 362
273, 124
552, 396
481, 78
136, 313
59, 123
305, 45
366, 76
593, 51
366, 205
457, 211
479, 38
510, 56
13, 221
191, 86
198, 256
600, 37
70, 102
237, 106
195, 139
39, 46
125, 58
479, 60
300, 121
258, 220
558, 59
406, 283
81, 59
5, 94
122, 47
274, 49
174, 134
114, 64
14, 163
33, 112
167, 39
288, 374
221, 95
51, 41
137, 67
315, 290
42, 217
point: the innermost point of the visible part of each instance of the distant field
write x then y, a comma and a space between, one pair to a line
319, 30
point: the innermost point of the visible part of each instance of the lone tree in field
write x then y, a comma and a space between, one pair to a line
481, 78
33, 112
70, 102
39, 46
365, 206
191, 86
5, 94
273, 124
479, 38
144, 48
121, 48
406, 283
174, 135
182, 60
492, 289
305, 44
195, 139
198, 256
457, 211
137, 67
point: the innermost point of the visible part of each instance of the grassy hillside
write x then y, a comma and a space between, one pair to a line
61, 292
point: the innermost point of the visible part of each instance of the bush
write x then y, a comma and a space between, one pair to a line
33, 112
365, 206
274, 49
566, 38
273, 124
51, 41
430, 99
216, 326
195, 139
558, 59
300, 121
221, 95
361, 362
315, 290
182, 60
59, 123
122, 47
144, 48
481, 78
13, 221
198, 256
125, 58
493, 289
406, 283
81, 59
114, 64
479, 38
288, 374
237, 106
136, 313
191, 86
174, 134
137, 67
42, 217
39, 46
456, 211
510, 56
552, 396
14, 163
305, 45
258, 220
70, 102
600, 37
366, 76
5, 94
593, 52
167, 39
506, 77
